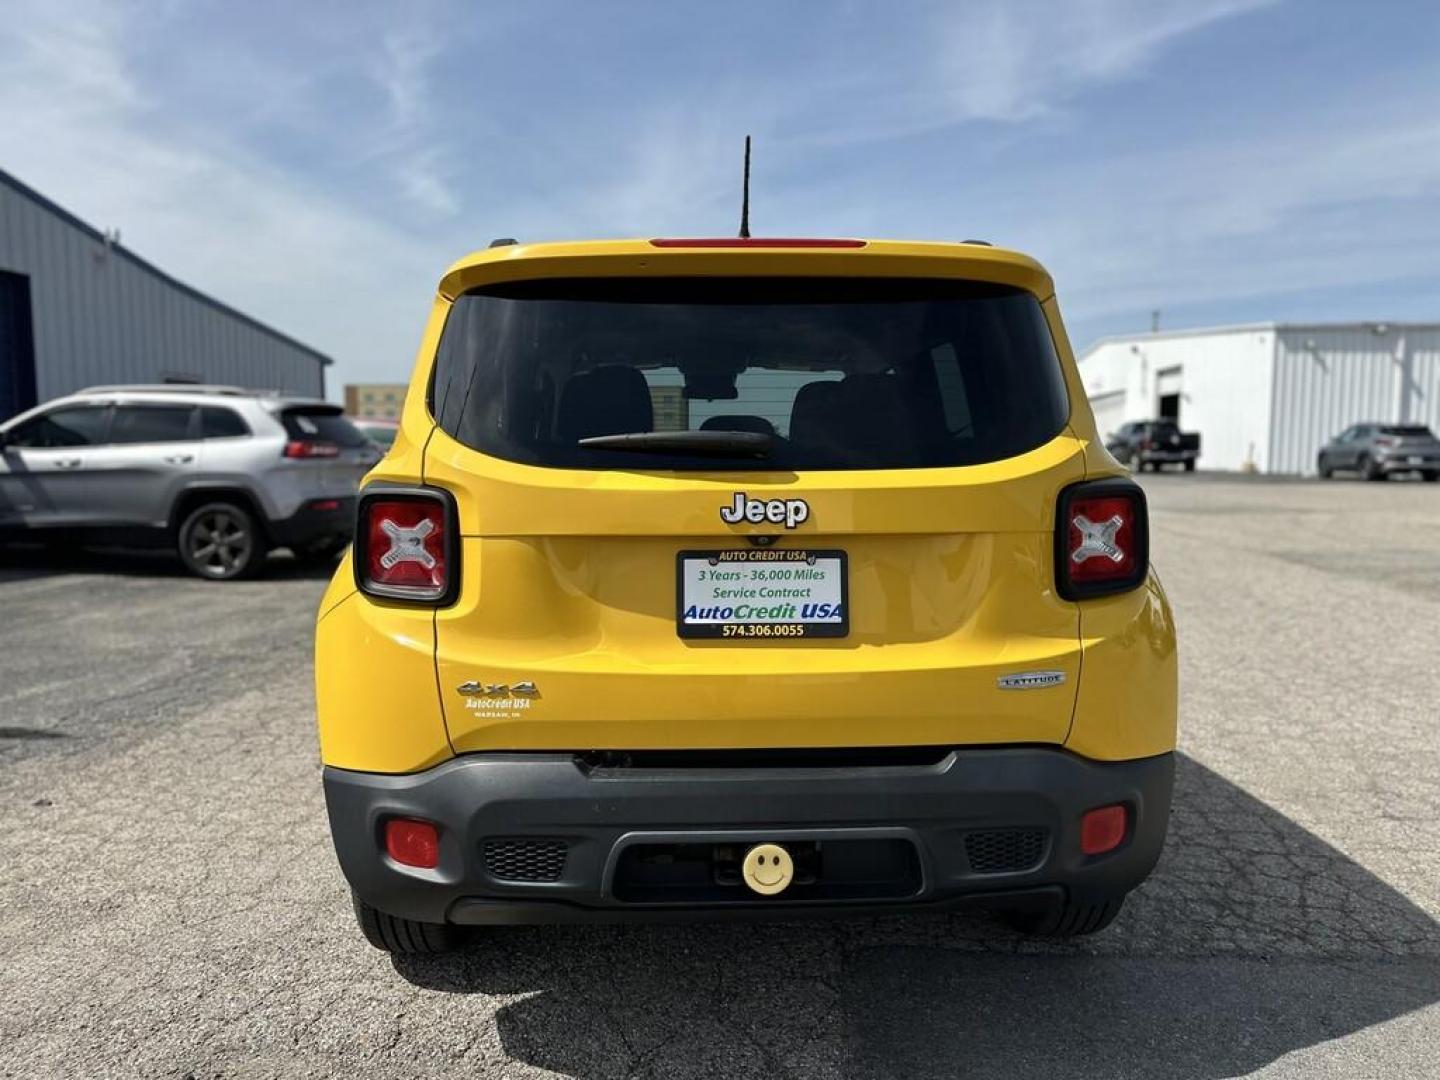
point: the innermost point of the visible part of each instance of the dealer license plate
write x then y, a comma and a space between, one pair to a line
761, 593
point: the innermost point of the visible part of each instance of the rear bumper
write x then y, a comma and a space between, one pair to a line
1167, 456
327, 519
1402, 463
947, 819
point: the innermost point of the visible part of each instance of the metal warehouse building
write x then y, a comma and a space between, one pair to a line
77, 309
1267, 396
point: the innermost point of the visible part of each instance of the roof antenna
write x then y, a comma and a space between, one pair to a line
745, 199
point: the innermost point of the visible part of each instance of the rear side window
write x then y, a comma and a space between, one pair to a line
840, 373
322, 425
82, 425
152, 424
219, 423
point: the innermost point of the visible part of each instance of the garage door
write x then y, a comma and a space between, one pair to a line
1109, 411
17, 351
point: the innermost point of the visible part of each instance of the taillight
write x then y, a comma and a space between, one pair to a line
1146, 444
754, 242
1383, 441
1102, 539
406, 547
311, 448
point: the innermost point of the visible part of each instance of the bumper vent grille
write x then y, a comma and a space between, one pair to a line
1004, 851
519, 859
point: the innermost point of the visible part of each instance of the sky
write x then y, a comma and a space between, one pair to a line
318, 165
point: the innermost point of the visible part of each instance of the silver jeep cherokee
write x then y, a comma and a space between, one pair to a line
223, 474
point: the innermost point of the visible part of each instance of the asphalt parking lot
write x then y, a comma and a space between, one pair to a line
169, 904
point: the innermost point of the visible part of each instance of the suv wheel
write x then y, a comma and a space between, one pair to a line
1322, 466
1073, 917
1368, 469
220, 541
1432, 476
405, 936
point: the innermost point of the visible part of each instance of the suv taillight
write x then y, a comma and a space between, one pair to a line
310, 448
406, 544
1102, 539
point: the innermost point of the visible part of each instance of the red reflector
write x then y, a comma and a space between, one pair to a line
414, 843
324, 505
755, 241
308, 448
405, 545
1102, 830
1102, 539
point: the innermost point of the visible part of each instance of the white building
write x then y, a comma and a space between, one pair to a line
1268, 395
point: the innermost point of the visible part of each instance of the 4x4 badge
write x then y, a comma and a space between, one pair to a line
472, 688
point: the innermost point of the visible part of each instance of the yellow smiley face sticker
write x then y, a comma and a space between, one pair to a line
767, 869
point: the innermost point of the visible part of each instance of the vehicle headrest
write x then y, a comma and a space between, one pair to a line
604, 401
757, 424
812, 416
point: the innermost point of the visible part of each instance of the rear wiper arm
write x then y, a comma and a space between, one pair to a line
704, 443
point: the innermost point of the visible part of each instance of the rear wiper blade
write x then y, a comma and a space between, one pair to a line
704, 443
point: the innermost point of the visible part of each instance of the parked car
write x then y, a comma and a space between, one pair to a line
1377, 451
221, 474
380, 432
1149, 444
673, 600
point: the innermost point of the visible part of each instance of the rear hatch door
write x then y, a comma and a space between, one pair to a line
913, 441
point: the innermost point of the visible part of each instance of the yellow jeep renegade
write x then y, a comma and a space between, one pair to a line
738, 576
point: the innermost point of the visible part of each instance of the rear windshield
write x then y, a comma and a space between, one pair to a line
1408, 431
840, 373
322, 425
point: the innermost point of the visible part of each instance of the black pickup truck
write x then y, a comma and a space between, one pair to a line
1149, 444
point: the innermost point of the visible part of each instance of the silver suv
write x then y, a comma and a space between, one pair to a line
223, 474
1377, 451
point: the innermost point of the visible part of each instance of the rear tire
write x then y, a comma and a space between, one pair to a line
220, 541
1190, 465
405, 937
1323, 468
1074, 917
1431, 477
1368, 469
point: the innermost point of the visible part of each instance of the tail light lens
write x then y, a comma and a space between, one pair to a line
755, 242
1384, 441
1103, 830
1102, 539
311, 448
412, 842
407, 544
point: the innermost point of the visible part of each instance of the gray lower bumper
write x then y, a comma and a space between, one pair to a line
597, 813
